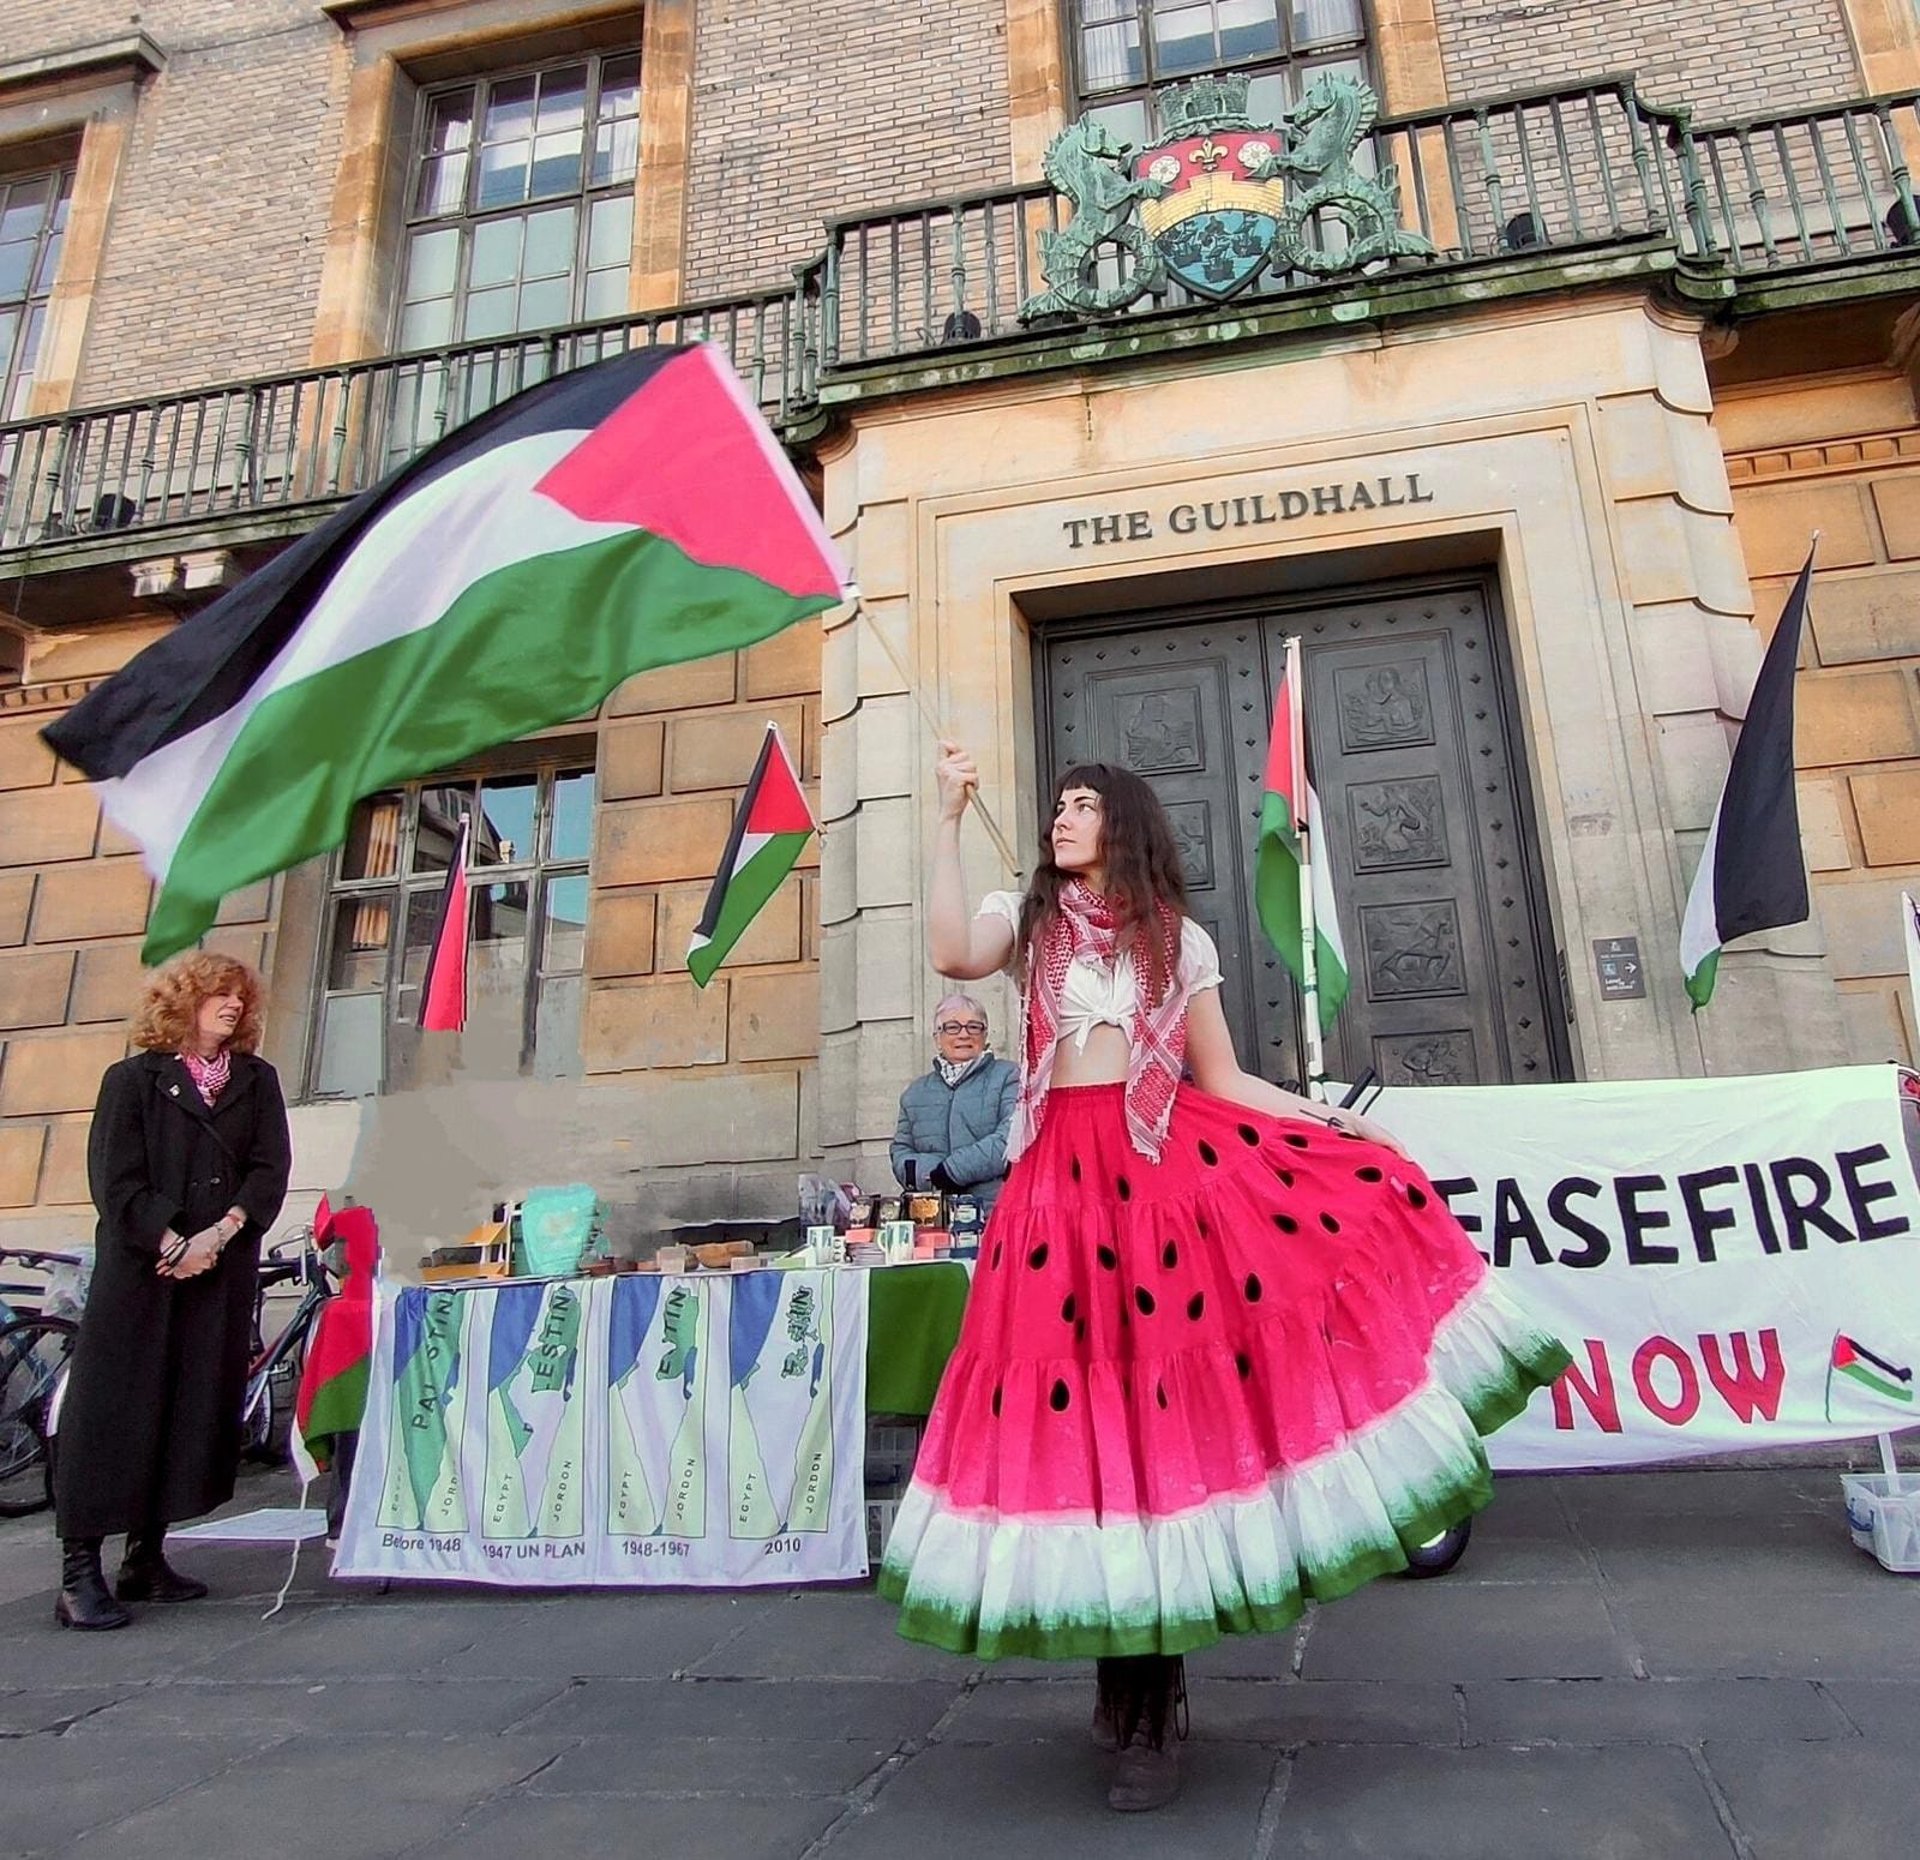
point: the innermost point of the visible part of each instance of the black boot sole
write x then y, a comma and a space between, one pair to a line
68, 1619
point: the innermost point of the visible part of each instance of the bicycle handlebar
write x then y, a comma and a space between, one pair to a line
34, 1257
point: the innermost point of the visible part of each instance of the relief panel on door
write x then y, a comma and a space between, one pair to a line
1184, 708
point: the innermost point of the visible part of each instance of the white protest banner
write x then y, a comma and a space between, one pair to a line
1733, 1263
635, 1429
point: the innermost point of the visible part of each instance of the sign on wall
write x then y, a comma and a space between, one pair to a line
633, 1429
1733, 1263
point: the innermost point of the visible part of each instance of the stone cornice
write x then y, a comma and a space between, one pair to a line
111, 60
1771, 464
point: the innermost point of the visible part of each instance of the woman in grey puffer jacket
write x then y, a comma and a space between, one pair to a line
954, 1119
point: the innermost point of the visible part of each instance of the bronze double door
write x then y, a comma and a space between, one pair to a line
1428, 824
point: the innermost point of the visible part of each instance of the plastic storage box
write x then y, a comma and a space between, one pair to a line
1883, 1515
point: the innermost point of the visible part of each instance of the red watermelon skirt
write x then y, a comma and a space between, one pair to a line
1190, 1394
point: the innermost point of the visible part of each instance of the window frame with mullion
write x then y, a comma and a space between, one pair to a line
469, 217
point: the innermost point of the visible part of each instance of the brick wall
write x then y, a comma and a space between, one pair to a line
1858, 698
802, 111
1723, 57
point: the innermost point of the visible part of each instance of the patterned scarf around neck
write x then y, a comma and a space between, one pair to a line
952, 1071
1157, 1040
209, 1075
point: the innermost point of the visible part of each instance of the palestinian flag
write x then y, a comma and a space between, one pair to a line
332, 1399
633, 514
770, 829
1291, 831
1876, 1374
1751, 875
443, 989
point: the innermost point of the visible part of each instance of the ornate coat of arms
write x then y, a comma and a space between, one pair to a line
1218, 200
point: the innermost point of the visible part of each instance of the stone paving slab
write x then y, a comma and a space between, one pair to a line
843, 1709
332, 1799
713, 1828
1708, 1632
1857, 1800
54, 1789
633, 1636
1880, 1708
833, 1635
1625, 1804
323, 1708
1047, 1802
27, 1712
1649, 1711
792, 1765
1431, 1630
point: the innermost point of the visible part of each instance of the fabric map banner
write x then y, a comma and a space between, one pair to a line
705, 1430
1733, 1263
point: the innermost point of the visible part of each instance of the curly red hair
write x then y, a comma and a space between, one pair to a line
169, 1009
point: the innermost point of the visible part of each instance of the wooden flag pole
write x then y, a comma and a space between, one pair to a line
1309, 953
941, 733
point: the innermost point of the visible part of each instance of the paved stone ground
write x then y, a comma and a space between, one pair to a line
1690, 1664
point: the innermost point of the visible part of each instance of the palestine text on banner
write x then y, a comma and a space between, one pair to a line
770, 829
1289, 804
1751, 875
632, 514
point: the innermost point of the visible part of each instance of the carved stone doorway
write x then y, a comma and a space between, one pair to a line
1429, 824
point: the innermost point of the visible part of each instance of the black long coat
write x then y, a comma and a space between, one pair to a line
150, 1426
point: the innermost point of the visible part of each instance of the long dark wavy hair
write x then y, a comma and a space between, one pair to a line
1143, 873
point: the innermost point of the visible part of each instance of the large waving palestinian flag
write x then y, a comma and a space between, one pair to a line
770, 829
633, 514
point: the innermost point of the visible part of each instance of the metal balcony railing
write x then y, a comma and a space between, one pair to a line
1552, 172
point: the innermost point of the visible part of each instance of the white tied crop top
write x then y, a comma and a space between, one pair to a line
1095, 996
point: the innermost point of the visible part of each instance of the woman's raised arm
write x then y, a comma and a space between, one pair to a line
961, 947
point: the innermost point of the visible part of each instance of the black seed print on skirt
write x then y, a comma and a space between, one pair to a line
1286, 1223
1058, 1400
1296, 1141
1038, 1257
1144, 1299
1066, 1310
1205, 1232
996, 1402
1209, 1155
1160, 1393
1169, 1256
1286, 1177
1108, 1257
993, 1265
1329, 1223
1249, 1136
1123, 1188
1243, 1363
1195, 1305
1073, 1168
1368, 1174
1417, 1197
1253, 1288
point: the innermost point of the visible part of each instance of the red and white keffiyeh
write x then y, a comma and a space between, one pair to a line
1086, 928
209, 1075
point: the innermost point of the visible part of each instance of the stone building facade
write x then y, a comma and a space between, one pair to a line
1578, 460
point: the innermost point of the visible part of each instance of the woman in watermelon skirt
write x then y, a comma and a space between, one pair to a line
1226, 1348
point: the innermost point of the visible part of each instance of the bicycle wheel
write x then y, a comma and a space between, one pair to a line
268, 1431
32, 1351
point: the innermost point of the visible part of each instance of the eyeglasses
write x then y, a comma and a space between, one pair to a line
951, 1028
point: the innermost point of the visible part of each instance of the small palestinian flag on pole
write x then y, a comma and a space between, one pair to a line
1292, 890
1751, 874
770, 830
443, 989
332, 1397
632, 514
1866, 1370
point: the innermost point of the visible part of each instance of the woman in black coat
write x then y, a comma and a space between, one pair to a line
187, 1162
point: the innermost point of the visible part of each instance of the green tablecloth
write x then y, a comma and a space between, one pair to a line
913, 1322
